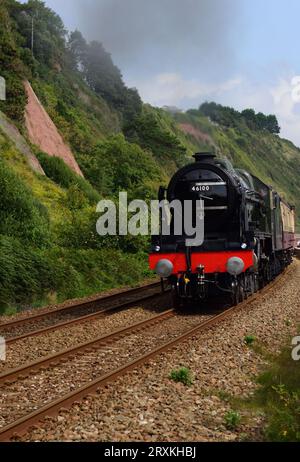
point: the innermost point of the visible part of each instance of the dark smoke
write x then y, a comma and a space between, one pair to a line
163, 34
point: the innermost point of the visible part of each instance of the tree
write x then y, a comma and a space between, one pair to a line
272, 124
105, 78
223, 115
48, 31
77, 47
102, 75
261, 121
250, 118
148, 131
12, 68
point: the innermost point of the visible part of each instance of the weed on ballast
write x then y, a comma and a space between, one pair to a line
182, 375
249, 339
232, 420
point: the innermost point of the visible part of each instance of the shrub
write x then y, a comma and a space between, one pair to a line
182, 375
60, 173
87, 271
25, 273
29, 275
249, 339
279, 398
116, 165
21, 214
232, 420
150, 133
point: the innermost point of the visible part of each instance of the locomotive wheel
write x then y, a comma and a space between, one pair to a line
253, 285
250, 285
242, 293
238, 294
235, 294
246, 286
256, 282
234, 298
175, 299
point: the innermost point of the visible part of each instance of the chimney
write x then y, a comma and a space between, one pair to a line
207, 157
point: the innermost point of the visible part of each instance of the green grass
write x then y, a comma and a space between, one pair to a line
49, 249
182, 375
232, 420
249, 339
62, 175
274, 160
279, 398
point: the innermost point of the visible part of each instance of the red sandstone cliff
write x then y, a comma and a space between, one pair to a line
43, 133
15, 136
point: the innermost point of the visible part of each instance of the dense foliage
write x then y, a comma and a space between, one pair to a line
229, 117
57, 170
148, 131
116, 165
48, 242
21, 214
50, 253
11, 67
278, 398
102, 75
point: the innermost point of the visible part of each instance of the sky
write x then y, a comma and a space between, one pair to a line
240, 53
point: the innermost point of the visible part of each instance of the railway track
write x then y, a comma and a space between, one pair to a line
108, 357
31, 385
51, 320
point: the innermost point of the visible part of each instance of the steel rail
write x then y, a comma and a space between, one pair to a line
85, 318
80, 304
20, 426
55, 359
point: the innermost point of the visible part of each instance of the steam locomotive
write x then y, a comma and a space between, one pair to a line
249, 233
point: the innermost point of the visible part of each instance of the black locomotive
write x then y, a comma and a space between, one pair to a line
249, 232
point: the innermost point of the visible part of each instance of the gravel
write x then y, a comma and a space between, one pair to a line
26, 395
34, 348
55, 318
145, 405
27, 312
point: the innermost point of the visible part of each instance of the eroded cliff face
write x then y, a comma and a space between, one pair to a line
43, 132
189, 129
10, 130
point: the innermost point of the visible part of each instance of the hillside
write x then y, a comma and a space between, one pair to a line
49, 249
43, 133
274, 160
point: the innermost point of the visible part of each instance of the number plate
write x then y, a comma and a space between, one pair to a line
201, 188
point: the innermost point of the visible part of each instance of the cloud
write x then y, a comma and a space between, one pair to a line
281, 97
287, 105
163, 34
173, 90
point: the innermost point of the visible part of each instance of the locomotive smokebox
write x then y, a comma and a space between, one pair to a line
206, 157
